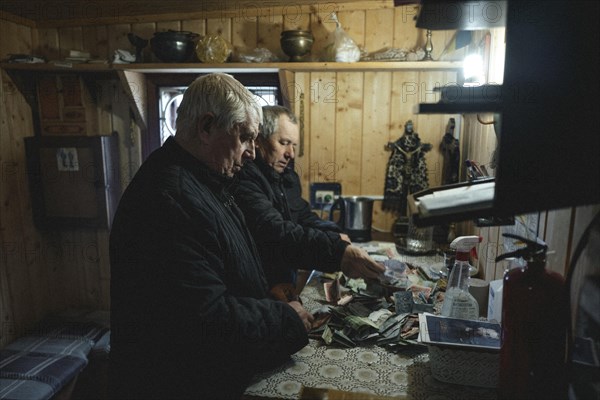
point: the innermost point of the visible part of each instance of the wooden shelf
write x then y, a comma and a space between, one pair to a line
52, 67
239, 67
133, 76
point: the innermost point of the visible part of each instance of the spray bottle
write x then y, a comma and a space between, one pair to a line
458, 302
534, 327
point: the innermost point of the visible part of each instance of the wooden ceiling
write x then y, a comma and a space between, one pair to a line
66, 12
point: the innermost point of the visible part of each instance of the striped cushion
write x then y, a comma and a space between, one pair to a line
76, 347
53, 370
69, 329
20, 389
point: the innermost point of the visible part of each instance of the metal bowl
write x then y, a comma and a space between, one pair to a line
296, 43
173, 46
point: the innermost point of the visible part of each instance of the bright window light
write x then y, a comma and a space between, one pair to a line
473, 70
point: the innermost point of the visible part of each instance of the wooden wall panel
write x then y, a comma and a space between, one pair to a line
70, 39
353, 23
558, 237
348, 119
22, 38
46, 271
295, 18
322, 26
349, 99
583, 216
365, 117
377, 113
405, 36
405, 95
48, 44
587, 263
165, 26
117, 37
95, 41
83, 264
194, 25
25, 264
369, 28
268, 34
299, 98
431, 128
377, 38
321, 101
244, 32
22, 263
219, 26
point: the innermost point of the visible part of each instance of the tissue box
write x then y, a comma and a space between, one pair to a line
495, 301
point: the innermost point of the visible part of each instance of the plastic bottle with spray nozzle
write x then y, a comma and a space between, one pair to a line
458, 302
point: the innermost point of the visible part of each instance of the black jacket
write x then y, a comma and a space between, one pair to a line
190, 317
288, 235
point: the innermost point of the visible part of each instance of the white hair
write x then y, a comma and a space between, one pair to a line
220, 94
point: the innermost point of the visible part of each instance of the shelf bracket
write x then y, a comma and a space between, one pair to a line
134, 84
25, 83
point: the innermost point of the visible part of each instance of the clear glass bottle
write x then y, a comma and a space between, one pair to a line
458, 302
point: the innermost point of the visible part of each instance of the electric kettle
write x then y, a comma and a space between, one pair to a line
355, 217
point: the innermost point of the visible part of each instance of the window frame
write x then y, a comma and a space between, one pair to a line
151, 140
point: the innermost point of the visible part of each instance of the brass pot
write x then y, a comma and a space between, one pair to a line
296, 43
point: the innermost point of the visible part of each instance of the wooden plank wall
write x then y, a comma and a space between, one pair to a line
335, 119
42, 272
29, 264
349, 117
348, 142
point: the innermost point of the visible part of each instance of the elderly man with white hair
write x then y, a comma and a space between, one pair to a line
191, 316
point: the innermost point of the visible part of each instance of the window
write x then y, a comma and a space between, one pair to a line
169, 99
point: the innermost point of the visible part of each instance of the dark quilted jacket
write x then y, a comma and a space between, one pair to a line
288, 235
189, 309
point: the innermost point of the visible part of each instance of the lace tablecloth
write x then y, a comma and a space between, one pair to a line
370, 369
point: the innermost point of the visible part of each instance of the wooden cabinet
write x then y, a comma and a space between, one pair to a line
75, 181
65, 106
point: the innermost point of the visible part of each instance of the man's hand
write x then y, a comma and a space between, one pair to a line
356, 263
305, 316
284, 292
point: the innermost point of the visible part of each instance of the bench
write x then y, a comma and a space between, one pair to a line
47, 361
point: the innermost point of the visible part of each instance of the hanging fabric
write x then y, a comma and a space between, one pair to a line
450, 150
406, 170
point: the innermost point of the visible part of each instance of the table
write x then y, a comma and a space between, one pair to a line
369, 369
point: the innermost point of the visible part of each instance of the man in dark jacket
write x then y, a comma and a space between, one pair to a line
289, 236
190, 313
